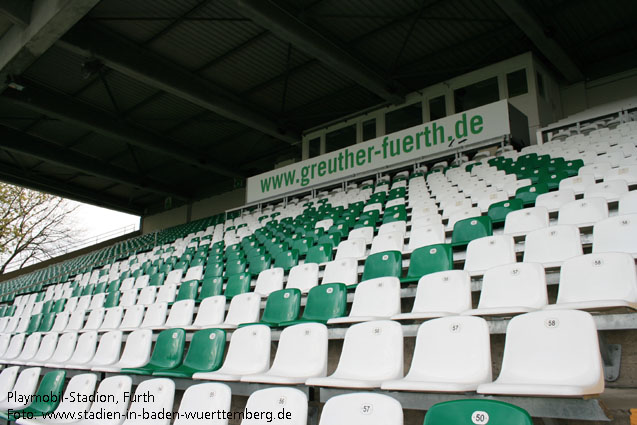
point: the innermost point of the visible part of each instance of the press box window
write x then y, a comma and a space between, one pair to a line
369, 129
477, 94
402, 118
516, 83
437, 108
341, 138
314, 147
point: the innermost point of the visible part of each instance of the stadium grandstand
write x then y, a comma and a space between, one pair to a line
352, 211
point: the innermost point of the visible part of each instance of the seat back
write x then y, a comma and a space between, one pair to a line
461, 412
616, 234
341, 271
362, 408
15, 347
108, 349
155, 316
206, 350
181, 313
46, 349
138, 347
392, 241
7, 381
303, 277
468, 229
237, 284
188, 290
426, 235
26, 383
321, 253
378, 297
598, 277
514, 285
111, 399
30, 348
211, 311
583, 211
488, 252
49, 393
269, 280
112, 318
244, 308
77, 395
552, 244
302, 351
85, 348
147, 295
249, 350
94, 319
461, 352
214, 396
372, 350
383, 264
275, 400
210, 287
351, 248
325, 302
282, 306
558, 347
133, 317
162, 391
169, 349
166, 293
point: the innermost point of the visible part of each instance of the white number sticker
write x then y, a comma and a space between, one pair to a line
479, 417
551, 323
367, 409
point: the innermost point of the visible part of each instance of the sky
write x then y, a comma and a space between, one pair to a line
95, 221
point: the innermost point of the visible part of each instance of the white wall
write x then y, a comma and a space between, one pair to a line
580, 96
200, 209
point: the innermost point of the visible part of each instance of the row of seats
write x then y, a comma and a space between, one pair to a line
452, 354
591, 281
210, 403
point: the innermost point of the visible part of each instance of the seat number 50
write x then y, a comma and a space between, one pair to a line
480, 418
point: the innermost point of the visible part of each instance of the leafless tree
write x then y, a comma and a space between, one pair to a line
33, 225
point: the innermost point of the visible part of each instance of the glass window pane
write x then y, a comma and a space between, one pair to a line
369, 129
540, 85
516, 83
477, 94
437, 108
338, 139
315, 147
402, 118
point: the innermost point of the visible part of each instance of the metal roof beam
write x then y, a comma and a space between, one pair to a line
20, 177
144, 65
287, 27
531, 25
17, 11
65, 108
23, 143
21, 45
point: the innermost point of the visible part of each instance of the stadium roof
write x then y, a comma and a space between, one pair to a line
124, 103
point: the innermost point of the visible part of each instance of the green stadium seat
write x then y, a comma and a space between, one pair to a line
157, 279
287, 259
303, 245
205, 354
469, 412
46, 324
464, 231
429, 259
51, 385
258, 264
319, 254
210, 287
187, 290
235, 266
112, 299
281, 306
34, 324
237, 284
47, 306
99, 288
498, 211
167, 354
324, 302
527, 194
382, 264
